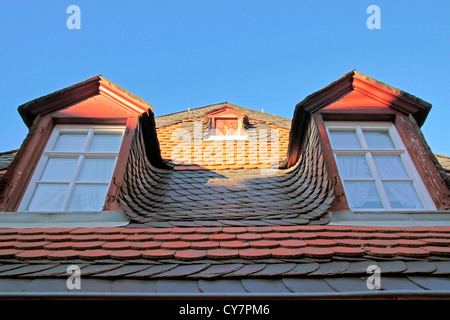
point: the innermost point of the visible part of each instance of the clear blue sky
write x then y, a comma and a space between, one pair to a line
257, 54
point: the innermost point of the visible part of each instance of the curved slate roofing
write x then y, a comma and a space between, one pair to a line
294, 196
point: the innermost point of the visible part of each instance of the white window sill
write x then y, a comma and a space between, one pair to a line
63, 219
421, 218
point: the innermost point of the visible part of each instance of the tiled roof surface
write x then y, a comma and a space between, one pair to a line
277, 259
217, 155
199, 113
6, 158
296, 196
444, 161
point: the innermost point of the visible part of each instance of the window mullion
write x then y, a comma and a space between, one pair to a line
378, 183
90, 136
72, 183
360, 135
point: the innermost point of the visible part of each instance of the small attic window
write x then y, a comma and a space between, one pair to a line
376, 169
226, 124
75, 170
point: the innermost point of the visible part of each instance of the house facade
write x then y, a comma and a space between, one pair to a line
227, 200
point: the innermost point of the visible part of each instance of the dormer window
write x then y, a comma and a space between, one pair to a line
75, 170
226, 124
375, 168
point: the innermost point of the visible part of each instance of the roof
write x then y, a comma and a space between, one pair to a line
74, 93
230, 230
200, 112
6, 158
444, 161
216, 196
286, 260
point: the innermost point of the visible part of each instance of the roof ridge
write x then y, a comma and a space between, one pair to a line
177, 117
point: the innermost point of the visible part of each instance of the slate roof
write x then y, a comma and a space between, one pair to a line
231, 230
307, 260
236, 196
6, 158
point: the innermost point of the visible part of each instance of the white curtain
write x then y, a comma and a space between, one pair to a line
378, 140
97, 170
390, 167
402, 194
362, 195
70, 142
59, 170
344, 140
48, 197
88, 198
105, 142
353, 167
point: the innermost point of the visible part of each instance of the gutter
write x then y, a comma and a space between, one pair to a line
356, 295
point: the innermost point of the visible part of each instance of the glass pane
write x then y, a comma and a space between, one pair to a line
378, 140
88, 198
353, 167
97, 170
48, 197
390, 167
362, 195
344, 140
105, 142
59, 170
70, 142
402, 195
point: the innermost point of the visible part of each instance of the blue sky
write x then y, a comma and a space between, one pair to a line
257, 54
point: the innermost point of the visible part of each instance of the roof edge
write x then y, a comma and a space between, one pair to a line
77, 92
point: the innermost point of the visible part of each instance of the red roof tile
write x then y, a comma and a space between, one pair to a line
222, 253
126, 254
254, 253
190, 254
158, 254
215, 244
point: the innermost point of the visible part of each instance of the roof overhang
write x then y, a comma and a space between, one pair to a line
68, 96
352, 81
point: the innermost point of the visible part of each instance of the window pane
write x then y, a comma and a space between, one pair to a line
59, 170
362, 195
70, 142
390, 167
105, 142
88, 198
97, 170
48, 197
353, 167
344, 140
402, 194
378, 140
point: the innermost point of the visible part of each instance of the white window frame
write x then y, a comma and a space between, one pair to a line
81, 155
400, 150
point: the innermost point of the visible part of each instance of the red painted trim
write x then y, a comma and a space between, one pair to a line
226, 112
112, 199
79, 92
340, 202
357, 114
22, 168
418, 151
